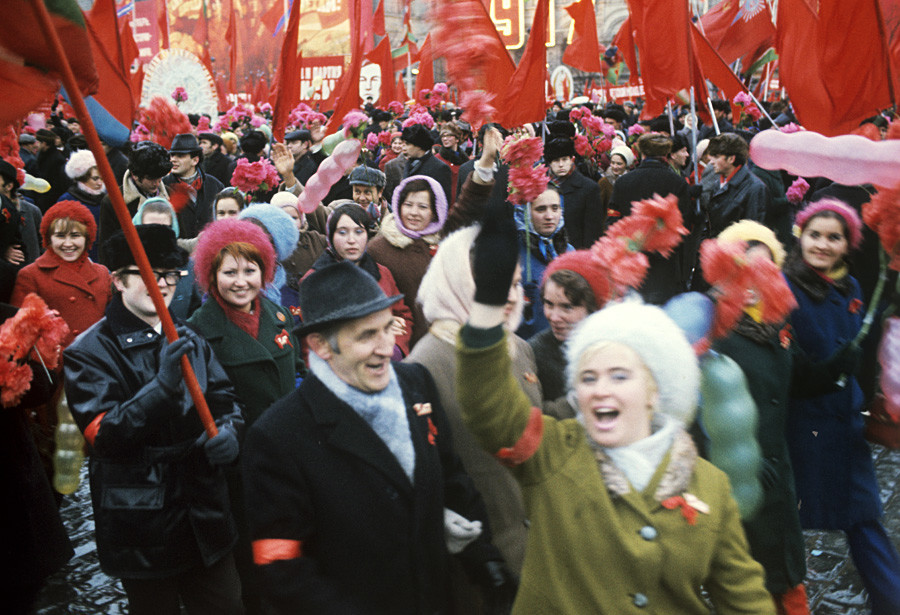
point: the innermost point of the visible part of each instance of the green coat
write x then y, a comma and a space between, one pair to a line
262, 370
774, 533
595, 545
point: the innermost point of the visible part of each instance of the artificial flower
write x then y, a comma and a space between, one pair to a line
355, 124
797, 190
882, 215
259, 176
521, 151
180, 94
477, 107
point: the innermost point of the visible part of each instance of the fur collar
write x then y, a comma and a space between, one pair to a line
811, 281
391, 232
130, 192
675, 479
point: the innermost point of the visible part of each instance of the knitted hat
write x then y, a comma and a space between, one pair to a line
280, 226
748, 230
849, 215
558, 148
440, 206
625, 152
585, 264
657, 340
80, 163
74, 211
418, 135
159, 244
227, 231
325, 300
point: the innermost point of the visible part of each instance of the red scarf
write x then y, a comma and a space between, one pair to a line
248, 322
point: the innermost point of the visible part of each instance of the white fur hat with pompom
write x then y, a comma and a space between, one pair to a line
79, 163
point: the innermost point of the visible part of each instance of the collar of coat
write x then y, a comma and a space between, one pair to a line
130, 191
680, 461
392, 234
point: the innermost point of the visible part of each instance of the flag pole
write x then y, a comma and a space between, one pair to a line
115, 195
671, 121
712, 114
761, 108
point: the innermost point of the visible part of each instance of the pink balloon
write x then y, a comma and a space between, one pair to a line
847, 159
313, 193
329, 172
889, 358
346, 153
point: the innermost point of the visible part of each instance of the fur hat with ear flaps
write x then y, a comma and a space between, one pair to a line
657, 340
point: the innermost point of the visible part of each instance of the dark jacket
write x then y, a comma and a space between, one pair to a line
109, 222
743, 197
667, 276
218, 165
370, 541
583, 209
393, 175
160, 508
197, 212
304, 168
776, 540
51, 165
433, 168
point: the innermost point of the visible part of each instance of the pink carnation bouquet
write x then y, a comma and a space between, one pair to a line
255, 177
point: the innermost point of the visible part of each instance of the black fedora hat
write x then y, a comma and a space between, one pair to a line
185, 143
338, 293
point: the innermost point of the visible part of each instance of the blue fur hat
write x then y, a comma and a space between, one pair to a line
279, 225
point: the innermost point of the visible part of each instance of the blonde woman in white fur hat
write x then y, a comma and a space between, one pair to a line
87, 186
624, 514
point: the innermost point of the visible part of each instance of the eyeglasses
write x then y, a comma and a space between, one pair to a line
171, 277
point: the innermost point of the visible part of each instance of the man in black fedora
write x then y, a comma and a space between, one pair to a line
215, 162
354, 494
191, 190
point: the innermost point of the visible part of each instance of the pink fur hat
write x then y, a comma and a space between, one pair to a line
223, 232
847, 213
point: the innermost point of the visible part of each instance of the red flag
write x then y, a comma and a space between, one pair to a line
381, 56
666, 59
347, 89
114, 92
798, 69
401, 94
525, 95
425, 78
261, 92
583, 52
130, 55
713, 67
624, 42
271, 17
231, 37
378, 27
201, 35
287, 93
162, 23
853, 56
890, 15
736, 29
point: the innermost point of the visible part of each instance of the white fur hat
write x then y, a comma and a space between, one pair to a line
625, 152
79, 163
657, 340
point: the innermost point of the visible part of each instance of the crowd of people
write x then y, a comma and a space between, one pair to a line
429, 396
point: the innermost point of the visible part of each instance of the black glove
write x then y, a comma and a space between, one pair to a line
495, 254
498, 587
223, 448
170, 375
844, 362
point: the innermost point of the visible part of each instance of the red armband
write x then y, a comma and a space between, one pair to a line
91, 432
270, 550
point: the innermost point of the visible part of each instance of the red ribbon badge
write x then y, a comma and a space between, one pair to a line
283, 339
688, 511
432, 432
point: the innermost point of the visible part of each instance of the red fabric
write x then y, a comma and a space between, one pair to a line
347, 90
687, 511
115, 92
799, 69
287, 93
624, 42
261, 91
270, 550
90, 433
853, 58
381, 55
23, 89
734, 32
715, 69
666, 59
524, 97
389, 287
271, 17
425, 78
401, 93
378, 26
792, 602
584, 51
130, 54
248, 322
231, 37
162, 23
528, 442
890, 15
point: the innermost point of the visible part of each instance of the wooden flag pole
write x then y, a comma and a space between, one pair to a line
115, 195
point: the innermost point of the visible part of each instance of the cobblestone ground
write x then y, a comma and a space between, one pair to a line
833, 585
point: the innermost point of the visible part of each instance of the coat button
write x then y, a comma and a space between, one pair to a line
648, 532
71, 299
128, 339
640, 600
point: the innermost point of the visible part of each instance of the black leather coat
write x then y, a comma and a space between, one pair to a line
159, 506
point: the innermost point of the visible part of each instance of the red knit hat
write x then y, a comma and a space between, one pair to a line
74, 211
585, 264
223, 232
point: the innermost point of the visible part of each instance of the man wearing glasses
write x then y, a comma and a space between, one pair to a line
163, 523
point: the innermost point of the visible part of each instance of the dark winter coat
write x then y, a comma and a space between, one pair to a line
198, 211
160, 508
434, 168
667, 276
832, 461
369, 540
743, 197
217, 165
583, 209
776, 540
133, 197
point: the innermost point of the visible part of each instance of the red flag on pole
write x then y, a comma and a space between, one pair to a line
347, 90
162, 23
130, 55
287, 93
525, 94
736, 29
231, 37
271, 17
666, 59
624, 42
114, 92
381, 55
425, 78
714, 68
378, 26
583, 52
401, 94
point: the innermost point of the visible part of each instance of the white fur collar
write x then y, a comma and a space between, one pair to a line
396, 238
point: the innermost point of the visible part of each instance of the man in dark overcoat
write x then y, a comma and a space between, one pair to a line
354, 494
191, 190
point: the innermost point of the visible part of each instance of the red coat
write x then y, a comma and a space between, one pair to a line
78, 291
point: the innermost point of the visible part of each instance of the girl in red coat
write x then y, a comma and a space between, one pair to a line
63, 276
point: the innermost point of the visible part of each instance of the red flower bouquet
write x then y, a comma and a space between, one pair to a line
255, 177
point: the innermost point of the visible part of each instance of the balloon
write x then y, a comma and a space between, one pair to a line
313, 193
346, 153
329, 172
889, 359
848, 159
694, 313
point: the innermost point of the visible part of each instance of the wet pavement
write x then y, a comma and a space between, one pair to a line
833, 585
